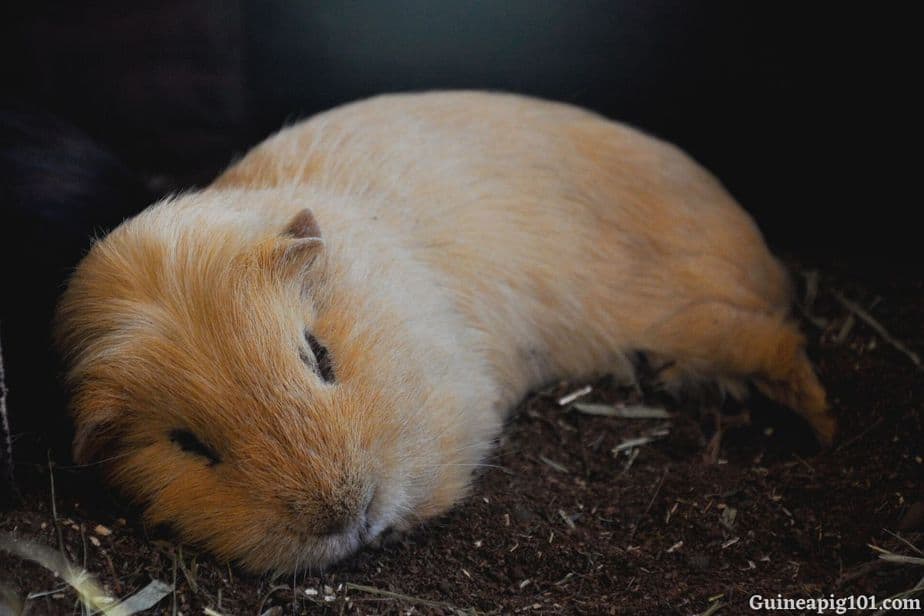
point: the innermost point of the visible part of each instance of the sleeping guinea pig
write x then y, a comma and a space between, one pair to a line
323, 344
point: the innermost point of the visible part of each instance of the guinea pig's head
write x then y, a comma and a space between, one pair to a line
218, 384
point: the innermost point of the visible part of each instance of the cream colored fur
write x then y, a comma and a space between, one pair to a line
475, 246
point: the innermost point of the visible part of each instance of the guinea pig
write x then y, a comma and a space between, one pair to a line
323, 344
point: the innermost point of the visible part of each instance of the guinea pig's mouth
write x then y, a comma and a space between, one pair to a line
377, 533
372, 528
333, 549
388, 535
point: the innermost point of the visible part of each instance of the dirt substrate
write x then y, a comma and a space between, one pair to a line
684, 524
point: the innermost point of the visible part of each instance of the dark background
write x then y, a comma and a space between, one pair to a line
800, 112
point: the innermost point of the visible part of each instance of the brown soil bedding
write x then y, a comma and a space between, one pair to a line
558, 523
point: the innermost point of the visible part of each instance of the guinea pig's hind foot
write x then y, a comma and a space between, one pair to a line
799, 389
734, 344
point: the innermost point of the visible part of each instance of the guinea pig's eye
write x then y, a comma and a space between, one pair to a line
319, 361
188, 442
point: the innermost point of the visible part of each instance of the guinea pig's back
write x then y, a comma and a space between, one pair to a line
562, 234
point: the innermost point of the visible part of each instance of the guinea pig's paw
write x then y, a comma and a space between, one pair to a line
389, 536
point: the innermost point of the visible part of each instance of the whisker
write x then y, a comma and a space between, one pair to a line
96, 462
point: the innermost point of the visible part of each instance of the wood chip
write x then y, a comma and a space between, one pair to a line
634, 411
731, 542
574, 395
728, 517
143, 600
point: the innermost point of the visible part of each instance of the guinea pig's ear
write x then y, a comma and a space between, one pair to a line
93, 435
301, 241
303, 226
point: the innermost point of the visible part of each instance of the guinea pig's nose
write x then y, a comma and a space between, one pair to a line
335, 522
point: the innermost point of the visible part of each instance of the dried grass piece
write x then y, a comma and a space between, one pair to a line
811, 289
892, 557
845, 330
567, 519
714, 608
731, 542
409, 599
634, 411
10, 601
631, 443
905, 560
144, 599
82, 581
905, 541
558, 466
878, 327
807, 307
